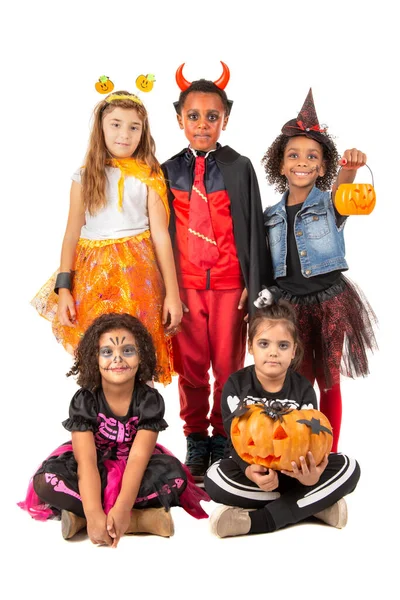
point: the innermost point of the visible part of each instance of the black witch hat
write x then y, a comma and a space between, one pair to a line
306, 122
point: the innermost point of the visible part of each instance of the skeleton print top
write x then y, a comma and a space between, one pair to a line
114, 434
243, 388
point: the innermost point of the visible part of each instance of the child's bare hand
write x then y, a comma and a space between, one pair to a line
266, 479
353, 159
309, 473
66, 308
243, 303
172, 313
117, 523
97, 530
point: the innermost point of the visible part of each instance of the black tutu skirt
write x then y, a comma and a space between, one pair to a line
166, 482
338, 323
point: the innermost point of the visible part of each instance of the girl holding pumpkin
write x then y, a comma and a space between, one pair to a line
305, 232
255, 498
116, 255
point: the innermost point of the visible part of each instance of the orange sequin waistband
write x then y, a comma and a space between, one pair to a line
85, 243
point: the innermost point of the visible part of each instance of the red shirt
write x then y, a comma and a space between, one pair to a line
226, 273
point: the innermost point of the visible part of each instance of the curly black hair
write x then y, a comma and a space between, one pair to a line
272, 162
86, 365
278, 311
206, 87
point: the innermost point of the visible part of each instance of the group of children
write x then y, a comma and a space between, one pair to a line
163, 270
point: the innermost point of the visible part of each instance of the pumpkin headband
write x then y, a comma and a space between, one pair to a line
221, 83
267, 297
144, 83
306, 122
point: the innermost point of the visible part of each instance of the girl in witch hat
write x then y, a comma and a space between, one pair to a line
305, 233
116, 255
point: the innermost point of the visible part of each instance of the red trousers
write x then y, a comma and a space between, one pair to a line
213, 333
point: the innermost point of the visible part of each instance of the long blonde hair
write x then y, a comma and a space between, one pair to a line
94, 174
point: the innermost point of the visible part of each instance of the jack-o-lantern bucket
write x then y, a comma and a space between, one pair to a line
355, 198
274, 435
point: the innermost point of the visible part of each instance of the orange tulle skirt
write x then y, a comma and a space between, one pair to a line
119, 276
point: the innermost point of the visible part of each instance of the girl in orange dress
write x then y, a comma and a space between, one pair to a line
116, 255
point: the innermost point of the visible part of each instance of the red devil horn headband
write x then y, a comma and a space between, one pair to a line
184, 84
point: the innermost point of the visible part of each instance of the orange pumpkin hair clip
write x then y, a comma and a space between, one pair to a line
104, 85
145, 83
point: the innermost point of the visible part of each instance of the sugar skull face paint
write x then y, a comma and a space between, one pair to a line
118, 356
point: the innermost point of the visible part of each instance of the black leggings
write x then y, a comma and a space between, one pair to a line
291, 502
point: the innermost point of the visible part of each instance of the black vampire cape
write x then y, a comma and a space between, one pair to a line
246, 210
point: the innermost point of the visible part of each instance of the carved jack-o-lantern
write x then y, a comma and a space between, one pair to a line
355, 198
274, 435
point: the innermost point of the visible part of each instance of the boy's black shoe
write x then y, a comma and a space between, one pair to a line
217, 447
198, 455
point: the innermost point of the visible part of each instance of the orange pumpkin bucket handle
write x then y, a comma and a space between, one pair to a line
355, 198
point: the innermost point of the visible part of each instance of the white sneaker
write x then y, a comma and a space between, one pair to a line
335, 515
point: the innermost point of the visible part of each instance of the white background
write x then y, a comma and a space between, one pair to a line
52, 54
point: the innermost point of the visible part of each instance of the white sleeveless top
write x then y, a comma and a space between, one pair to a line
111, 223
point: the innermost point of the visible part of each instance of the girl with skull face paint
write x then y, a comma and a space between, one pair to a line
113, 477
260, 500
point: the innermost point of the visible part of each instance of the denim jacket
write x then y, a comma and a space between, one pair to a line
320, 242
